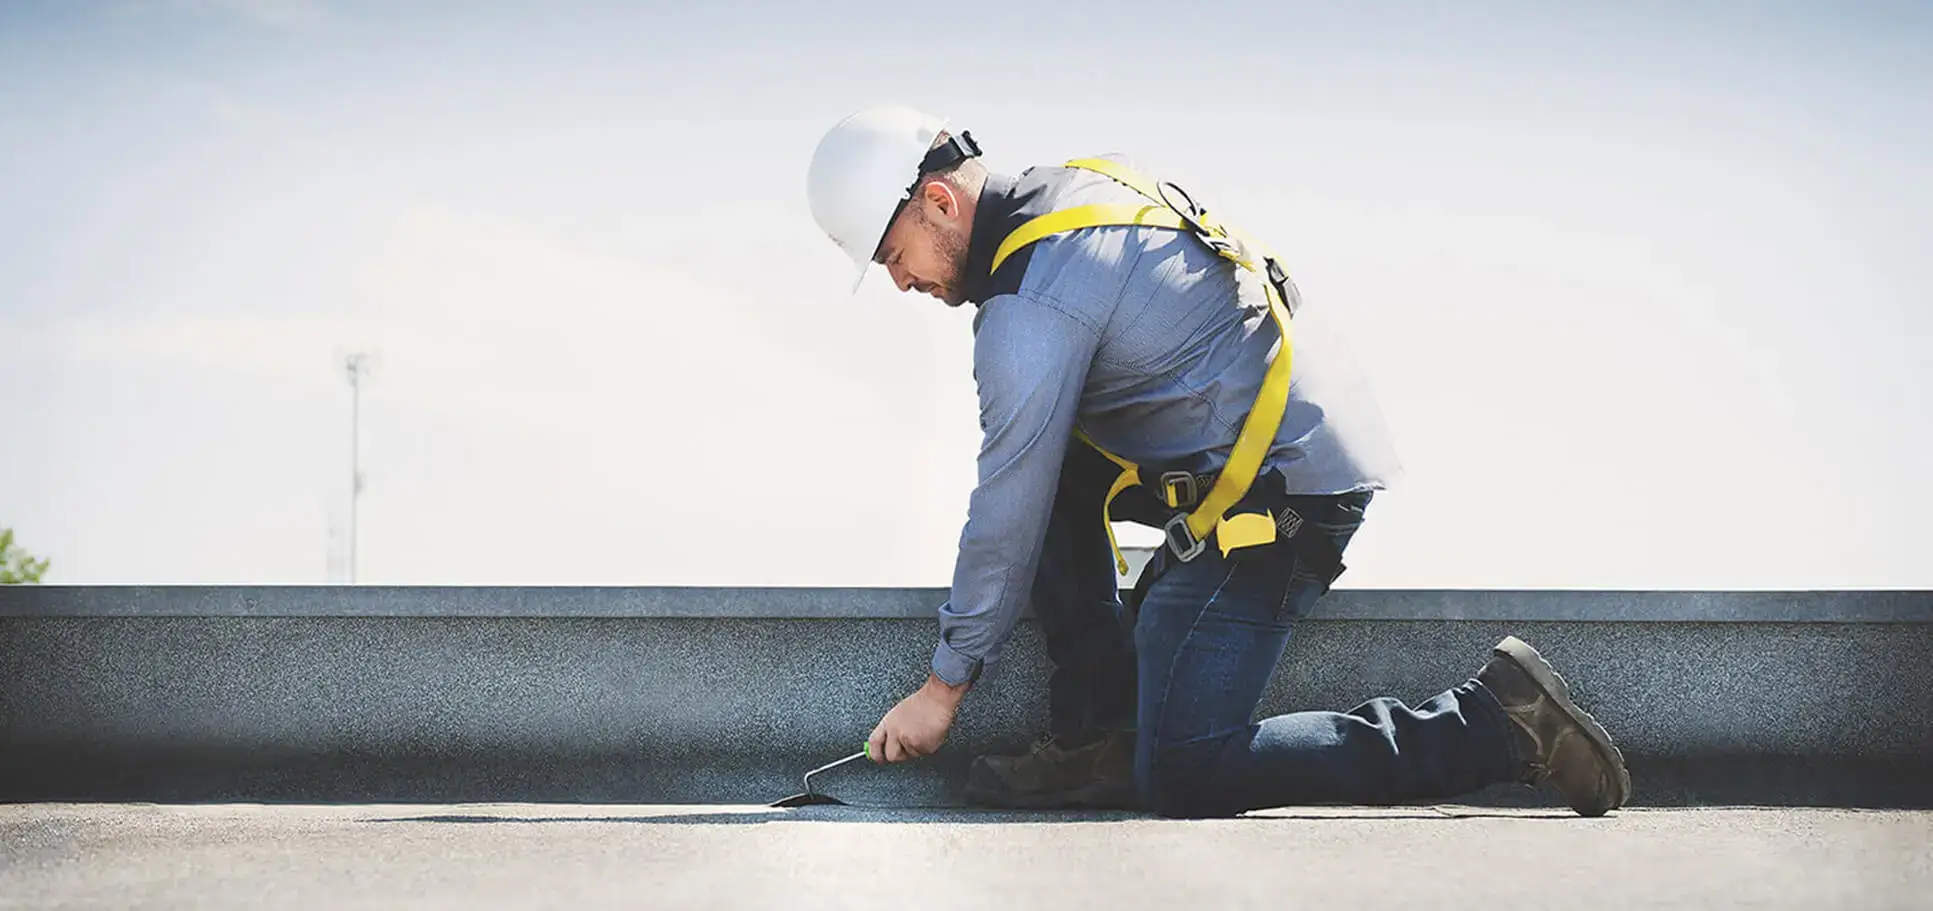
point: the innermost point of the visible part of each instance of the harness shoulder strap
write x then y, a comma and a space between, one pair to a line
1074, 219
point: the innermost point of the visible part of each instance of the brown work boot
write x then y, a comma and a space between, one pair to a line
1096, 774
1560, 743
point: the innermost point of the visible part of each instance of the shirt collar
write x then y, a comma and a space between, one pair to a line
994, 217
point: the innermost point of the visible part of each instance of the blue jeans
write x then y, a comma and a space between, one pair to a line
1187, 671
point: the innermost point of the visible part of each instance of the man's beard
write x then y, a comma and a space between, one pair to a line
953, 249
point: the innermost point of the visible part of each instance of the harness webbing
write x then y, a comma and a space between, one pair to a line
1264, 417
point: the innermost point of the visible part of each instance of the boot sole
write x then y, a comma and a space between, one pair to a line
1552, 683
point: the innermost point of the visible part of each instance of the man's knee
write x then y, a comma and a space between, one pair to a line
1178, 781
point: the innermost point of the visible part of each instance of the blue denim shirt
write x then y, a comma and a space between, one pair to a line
1151, 344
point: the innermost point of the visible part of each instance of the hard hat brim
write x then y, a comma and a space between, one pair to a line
865, 259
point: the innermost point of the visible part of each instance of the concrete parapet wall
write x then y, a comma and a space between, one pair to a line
921, 603
674, 695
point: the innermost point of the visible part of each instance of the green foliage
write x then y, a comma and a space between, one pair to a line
16, 566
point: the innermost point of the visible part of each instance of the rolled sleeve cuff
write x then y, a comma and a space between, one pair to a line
955, 668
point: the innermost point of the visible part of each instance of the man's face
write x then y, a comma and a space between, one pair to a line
926, 248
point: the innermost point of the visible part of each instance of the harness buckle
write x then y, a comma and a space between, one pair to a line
1284, 286
1277, 275
1192, 547
1173, 483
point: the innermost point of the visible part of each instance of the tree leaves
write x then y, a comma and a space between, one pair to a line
16, 565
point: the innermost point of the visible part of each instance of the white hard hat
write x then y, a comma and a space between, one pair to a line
862, 170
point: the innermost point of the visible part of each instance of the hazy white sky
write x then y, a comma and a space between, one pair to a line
1643, 290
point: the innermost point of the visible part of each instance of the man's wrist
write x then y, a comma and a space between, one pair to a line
945, 690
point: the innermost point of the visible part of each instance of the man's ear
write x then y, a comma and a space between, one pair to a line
940, 195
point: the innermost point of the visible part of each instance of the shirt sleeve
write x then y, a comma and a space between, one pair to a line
1030, 360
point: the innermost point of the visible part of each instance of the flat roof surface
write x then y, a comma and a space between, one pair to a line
564, 855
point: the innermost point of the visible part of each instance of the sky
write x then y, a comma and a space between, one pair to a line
1641, 289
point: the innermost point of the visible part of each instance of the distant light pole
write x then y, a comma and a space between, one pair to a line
358, 364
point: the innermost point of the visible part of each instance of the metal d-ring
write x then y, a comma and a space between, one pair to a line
1191, 216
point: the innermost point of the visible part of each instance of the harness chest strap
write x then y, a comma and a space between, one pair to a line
1264, 417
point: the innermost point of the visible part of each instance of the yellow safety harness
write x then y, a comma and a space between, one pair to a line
1187, 531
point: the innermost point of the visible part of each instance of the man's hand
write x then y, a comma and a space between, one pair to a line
918, 724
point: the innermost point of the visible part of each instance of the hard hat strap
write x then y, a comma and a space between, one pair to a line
947, 154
